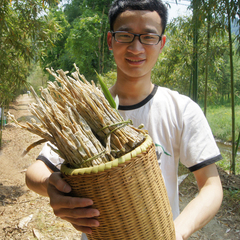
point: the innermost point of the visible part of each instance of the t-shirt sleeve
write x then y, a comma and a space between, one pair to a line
50, 157
198, 147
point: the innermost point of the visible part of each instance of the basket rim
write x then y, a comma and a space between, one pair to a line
105, 166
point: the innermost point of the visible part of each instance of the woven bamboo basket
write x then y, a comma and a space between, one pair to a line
130, 194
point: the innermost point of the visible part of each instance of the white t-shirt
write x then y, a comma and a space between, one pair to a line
177, 126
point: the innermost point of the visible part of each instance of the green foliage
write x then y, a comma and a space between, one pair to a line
37, 78
219, 118
73, 10
226, 162
83, 40
87, 42
23, 34
110, 78
57, 57
77, 7
98, 5
173, 69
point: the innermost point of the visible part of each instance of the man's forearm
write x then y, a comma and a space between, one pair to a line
37, 178
201, 209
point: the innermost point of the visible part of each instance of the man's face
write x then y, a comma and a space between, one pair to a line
135, 60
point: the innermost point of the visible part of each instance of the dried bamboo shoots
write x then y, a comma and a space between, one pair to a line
77, 119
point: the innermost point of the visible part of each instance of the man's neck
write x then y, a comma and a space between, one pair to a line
131, 91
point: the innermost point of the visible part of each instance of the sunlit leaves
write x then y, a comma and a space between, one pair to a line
173, 68
86, 42
25, 30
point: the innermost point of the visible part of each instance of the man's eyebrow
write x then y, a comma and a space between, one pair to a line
146, 30
151, 30
124, 28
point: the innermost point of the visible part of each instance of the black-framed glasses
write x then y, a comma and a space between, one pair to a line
127, 37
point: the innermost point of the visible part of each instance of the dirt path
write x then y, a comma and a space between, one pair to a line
17, 202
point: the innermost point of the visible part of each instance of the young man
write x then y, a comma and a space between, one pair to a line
174, 122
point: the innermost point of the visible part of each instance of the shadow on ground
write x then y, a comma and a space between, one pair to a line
10, 194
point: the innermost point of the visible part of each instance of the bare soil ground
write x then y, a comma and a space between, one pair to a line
27, 215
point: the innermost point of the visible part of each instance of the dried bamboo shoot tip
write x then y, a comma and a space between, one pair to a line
33, 120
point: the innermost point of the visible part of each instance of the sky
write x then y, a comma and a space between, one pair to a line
179, 9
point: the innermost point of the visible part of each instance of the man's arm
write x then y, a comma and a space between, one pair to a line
204, 207
37, 177
41, 180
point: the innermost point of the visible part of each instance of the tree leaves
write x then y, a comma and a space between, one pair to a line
86, 42
173, 69
24, 30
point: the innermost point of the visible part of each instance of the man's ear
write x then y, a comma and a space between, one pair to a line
109, 40
163, 41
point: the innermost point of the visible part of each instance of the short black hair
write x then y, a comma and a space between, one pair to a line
119, 6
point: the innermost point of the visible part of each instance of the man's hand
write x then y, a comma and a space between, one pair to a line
75, 210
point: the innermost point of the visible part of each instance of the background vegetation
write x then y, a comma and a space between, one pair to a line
200, 59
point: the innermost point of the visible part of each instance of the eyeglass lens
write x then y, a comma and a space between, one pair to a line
126, 37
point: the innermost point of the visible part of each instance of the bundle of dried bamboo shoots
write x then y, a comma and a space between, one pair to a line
76, 117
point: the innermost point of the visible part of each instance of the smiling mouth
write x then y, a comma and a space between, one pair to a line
135, 60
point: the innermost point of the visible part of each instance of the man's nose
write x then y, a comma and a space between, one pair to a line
136, 46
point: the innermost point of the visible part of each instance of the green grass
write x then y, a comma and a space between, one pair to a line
226, 162
220, 121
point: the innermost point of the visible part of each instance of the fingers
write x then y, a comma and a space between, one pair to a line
83, 222
56, 189
81, 218
75, 210
80, 212
56, 180
60, 200
83, 229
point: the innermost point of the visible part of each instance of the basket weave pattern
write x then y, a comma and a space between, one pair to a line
131, 198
